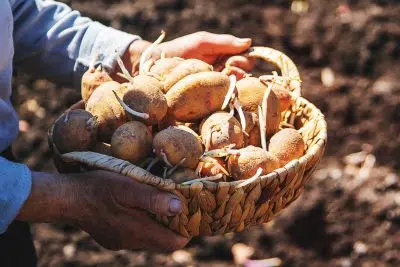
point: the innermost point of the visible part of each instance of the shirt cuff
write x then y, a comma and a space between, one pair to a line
106, 44
15, 187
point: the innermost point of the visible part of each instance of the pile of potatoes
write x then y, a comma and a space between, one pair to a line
181, 120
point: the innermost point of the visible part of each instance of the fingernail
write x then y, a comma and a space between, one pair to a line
244, 40
175, 206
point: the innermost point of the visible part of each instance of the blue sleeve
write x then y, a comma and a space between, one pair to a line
52, 41
15, 186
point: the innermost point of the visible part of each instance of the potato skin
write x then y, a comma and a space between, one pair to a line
250, 93
183, 69
164, 66
284, 96
178, 142
144, 94
182, 175
75, 130
91, 79
110, 114
220, 130
132, 141
252, 129
246, 164
212, 169
287, 145
197, 95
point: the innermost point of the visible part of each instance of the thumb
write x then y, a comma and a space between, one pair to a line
216, 44
156, 201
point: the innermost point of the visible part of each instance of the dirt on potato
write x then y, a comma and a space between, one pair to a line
348, 56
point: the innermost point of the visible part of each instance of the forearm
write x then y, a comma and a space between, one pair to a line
52, 41
15, 185
52, 199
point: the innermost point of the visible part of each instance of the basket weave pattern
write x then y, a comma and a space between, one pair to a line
218, 208
211, 208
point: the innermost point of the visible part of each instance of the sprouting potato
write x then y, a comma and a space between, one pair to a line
75, 130
182, 70
197, 95
91, 79
213, 167
110, 114
250, 159
164, 66
250, 93
132, 141
177, 143
287, 145
284, 95
144, 94
220, 130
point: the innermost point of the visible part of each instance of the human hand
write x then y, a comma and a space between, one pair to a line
216, 49
115, 213
112, 208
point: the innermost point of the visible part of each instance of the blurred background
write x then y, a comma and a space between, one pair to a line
348, 54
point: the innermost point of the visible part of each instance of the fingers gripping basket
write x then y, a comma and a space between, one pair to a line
216, 208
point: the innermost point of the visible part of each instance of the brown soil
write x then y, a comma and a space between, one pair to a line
342, 219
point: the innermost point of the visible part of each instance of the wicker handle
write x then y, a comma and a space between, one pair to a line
281, 61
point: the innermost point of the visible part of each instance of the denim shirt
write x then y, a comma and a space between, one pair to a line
48, 40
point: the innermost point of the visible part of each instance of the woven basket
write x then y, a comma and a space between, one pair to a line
216, 208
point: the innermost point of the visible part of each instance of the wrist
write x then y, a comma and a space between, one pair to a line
53, 198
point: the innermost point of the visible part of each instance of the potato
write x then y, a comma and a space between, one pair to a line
176, 143
110, 114
75, 130
144, 94
284, 96
287, 145
132, 141
182, 175
184, 69
251, 158
164, 66
250, 93
253, 136
212, 169
197, 95
220, 130
91, 79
